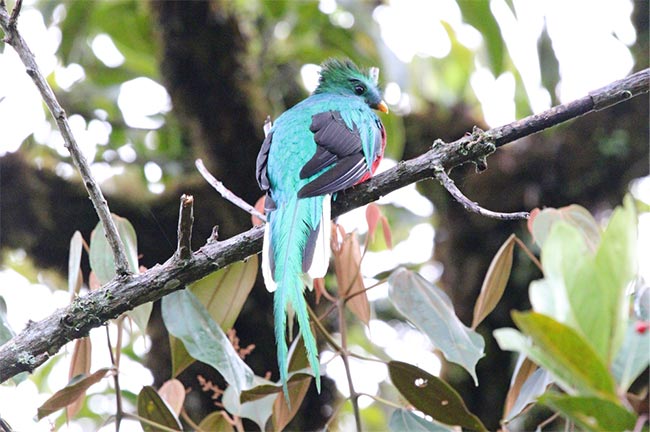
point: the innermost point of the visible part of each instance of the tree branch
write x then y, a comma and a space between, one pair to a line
40, 340
13, 38
471, 206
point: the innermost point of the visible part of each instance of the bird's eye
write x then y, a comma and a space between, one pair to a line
359, 89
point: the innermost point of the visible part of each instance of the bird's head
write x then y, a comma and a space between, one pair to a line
344, 77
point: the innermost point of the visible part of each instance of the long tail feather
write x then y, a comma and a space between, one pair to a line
290, 225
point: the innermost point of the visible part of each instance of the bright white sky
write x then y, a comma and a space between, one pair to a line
590, 39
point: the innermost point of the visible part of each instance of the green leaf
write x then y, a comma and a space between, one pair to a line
215, 422
406, 421
187, 319
152, 407
258, 410
223, 293
103, 265
563, 252
431, 311
479, 16
578, 217
101, 255
269, 387
495, 281
632, 358
6, 332
616, 265
74, 263
140, 316
562, 351
591, 413
432, 396
70, 393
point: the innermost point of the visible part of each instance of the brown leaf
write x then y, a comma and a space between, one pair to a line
526, 369
373, 214
495, 281
319, 288
259, 206
79, 365
70, 393
174, 394
373, 217
531, 219
282, 414
93, 282
347, 262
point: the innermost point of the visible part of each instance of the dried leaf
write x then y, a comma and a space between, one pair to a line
282, 414
70, 393
259, 206
373, 217
79, 365
373, 214
347, 262
93, 282
528, 382
319, 288
173, 392
495, 281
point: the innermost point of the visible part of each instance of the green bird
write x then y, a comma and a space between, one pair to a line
324, 144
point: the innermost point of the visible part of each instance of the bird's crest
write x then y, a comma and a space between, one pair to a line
335, 74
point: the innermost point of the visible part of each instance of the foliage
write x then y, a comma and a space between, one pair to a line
581, 312
551, 338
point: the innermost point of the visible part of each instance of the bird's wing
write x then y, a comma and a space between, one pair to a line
348, 152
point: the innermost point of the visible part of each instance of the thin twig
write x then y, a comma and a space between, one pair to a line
119, 413
323, 331
185, 222
14, 38
382, 400
225, 192
548, 421
471, 206
354, 396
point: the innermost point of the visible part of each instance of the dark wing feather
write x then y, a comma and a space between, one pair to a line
337, 147
321, 159
262, 162
345, 173
334, 141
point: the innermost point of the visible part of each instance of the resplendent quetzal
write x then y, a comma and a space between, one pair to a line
326, 143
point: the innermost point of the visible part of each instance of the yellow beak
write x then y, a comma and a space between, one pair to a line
381, 106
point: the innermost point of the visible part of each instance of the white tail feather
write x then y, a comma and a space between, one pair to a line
266, 265
321, 260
